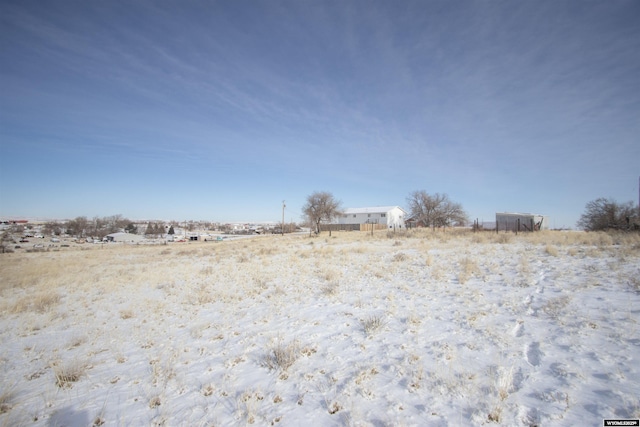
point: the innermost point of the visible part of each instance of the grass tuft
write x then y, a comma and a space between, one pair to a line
69, 373
504, 383
40, 302
127, 314
372, 324
6, 399
551, 250
399, 257
468, 268
282, 356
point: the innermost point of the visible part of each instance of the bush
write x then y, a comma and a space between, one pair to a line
606, 214
282, 356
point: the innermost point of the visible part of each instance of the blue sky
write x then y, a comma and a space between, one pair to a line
219, 110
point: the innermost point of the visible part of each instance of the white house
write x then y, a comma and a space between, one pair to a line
392, 216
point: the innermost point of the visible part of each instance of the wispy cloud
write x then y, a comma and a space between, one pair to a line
430, 93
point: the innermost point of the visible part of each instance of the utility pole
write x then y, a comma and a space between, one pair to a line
283, 206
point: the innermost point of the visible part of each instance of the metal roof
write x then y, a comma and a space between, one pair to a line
519, 213
376, 209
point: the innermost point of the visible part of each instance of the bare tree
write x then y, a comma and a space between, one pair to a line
98, 227
452, 213
5, 241
435, 210
77, 227
321, 206
606, 214
52, 228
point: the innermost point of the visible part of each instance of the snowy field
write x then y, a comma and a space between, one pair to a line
429, 329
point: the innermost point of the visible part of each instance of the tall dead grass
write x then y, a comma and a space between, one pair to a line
67, 373
40, 302
281, 356
7, 397
468, 268
36, 282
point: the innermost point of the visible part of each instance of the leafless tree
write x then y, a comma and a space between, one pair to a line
78, 226
98, 227
606, 214
321, 206
5, 241
435, 210
53, 228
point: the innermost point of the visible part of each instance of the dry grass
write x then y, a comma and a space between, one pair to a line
40, 302
400, 257
7, 395
468, 268
36, 283
68, 373
331, 289
330, 275
504, 383
551, 250
372, 324
503, 238
495, 416
281, 356
555, 307
634, 282
127, 314
233, 278
154, 402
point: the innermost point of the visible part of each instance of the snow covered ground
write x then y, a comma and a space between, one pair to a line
427, 329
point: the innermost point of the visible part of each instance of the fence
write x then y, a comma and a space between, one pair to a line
509, 224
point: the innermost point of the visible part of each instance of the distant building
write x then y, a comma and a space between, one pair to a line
124, 237
389, 216
521, 221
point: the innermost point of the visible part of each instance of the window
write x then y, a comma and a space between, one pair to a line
354, 215
368, 215
383, 215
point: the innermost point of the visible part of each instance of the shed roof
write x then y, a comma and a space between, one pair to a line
120, 236
518, 214
376, 209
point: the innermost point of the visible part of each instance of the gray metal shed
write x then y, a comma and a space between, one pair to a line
521, 221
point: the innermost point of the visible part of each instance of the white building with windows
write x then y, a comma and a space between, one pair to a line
392, 216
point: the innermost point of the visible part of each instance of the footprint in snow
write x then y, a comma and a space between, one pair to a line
539, 287
532, 353
518, 330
